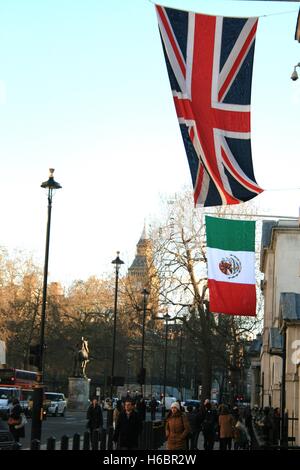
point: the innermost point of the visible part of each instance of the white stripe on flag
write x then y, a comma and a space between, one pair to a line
239, 265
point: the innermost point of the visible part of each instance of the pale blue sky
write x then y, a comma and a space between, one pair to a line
84, 89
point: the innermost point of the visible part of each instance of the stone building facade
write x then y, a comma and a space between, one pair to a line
280, 263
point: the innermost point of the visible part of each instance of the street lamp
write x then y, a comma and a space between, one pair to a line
128, 369
37, 411
294, 75
183, 320
166, 318
117, 262
143, 370
283, 431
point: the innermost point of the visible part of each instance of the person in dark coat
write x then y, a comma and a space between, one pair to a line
128, 427
94, 416
153, 408
267, 426
195, 425
209, 424
141, 408
15, 414
276, 425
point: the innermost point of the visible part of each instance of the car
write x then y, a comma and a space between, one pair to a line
193, 403
55, 403
167, 402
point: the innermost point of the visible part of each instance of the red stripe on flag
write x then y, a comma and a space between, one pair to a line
232, 298
183, 108
199, 183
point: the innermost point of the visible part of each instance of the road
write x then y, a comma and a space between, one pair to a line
73, 422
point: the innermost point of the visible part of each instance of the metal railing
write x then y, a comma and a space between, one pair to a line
152, 437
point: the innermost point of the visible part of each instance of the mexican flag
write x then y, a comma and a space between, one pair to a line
231, 266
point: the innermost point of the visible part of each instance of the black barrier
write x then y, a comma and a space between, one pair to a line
51, 441
152, 437
35, 444
64, 443
148, 435
76, 442
158, 435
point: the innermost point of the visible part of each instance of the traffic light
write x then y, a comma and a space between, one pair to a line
34, 355
141, 376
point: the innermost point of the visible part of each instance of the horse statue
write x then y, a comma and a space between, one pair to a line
81, 358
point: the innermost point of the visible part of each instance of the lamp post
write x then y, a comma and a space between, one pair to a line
283, 431
166, 318
294, 75
117, 262
128, 369
37, 410
143, 370
180, 362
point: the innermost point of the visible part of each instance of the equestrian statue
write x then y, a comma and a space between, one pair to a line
81, 358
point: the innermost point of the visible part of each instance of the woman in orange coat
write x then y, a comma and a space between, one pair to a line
177, 428
226, 423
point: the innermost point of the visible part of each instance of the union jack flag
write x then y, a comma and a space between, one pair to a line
209, 61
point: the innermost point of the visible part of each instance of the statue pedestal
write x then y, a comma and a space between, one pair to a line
79, 392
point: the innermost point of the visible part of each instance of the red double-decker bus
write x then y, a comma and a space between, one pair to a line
19, 378
17, 383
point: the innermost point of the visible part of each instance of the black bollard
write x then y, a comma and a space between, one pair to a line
76, 442
51, 441
35, 444
86, 441
64, 443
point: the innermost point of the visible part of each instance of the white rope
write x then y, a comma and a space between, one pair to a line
253, 216
256, 16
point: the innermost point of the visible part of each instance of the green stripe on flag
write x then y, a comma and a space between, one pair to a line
228, 234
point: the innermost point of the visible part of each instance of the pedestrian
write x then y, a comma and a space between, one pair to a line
153, 408
209, 425
226, 424
118, 409
242, 439
94, 417
267, 427
128, 427
177, 428
141, 408
194, 422
16, 426
276, 424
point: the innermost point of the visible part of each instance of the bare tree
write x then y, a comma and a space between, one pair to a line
180, 257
